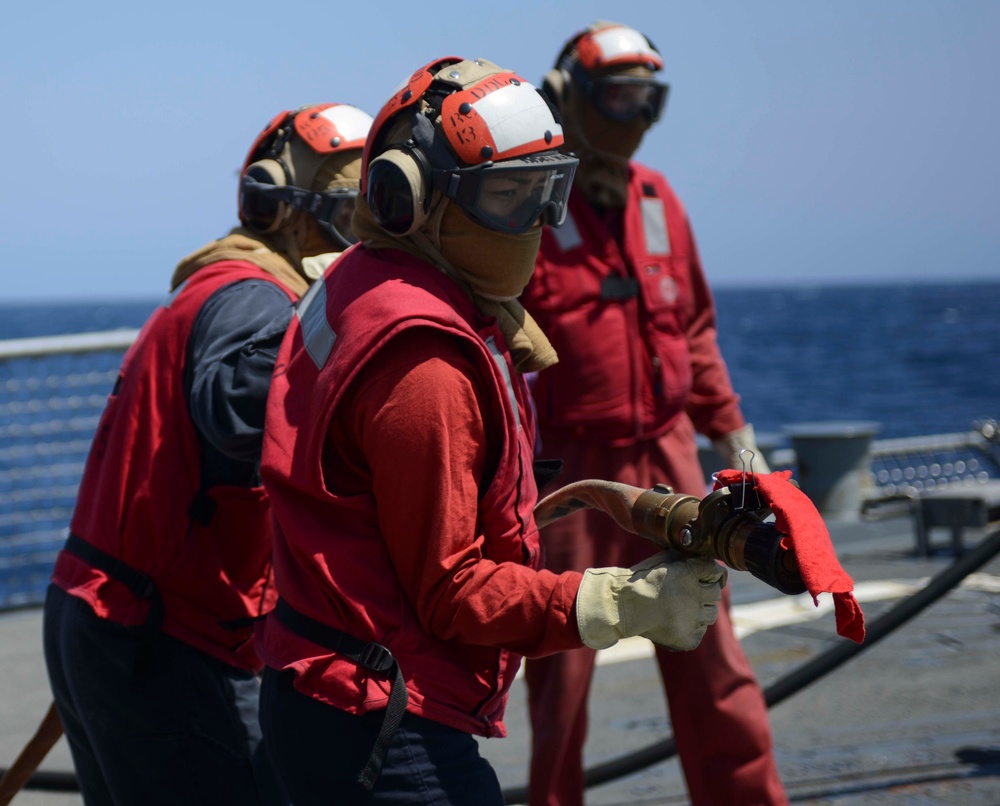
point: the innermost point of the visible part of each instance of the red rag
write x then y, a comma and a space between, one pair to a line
796, 517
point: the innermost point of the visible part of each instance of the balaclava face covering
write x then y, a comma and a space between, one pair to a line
496, 265
300, 236
490, 281
603, 145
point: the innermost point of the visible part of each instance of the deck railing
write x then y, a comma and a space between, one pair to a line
52, 393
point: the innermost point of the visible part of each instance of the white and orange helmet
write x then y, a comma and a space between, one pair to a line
612, 66
472, 132
295, 164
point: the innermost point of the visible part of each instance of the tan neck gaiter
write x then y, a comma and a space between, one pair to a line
604, 147
242, 244
491, 267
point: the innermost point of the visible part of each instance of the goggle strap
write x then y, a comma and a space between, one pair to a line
331, 230
308, 201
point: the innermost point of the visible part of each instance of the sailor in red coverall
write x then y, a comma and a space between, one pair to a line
620, 292
398, 457
148, 623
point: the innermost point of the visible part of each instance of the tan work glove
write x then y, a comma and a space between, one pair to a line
730, 445
670, 603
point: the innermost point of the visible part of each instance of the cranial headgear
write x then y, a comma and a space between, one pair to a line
302, 160
612, 66
476, 134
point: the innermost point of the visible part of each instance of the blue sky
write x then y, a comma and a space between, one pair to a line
820, 141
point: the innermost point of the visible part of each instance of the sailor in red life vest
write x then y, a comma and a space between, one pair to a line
398, 455
620, 291
148, 622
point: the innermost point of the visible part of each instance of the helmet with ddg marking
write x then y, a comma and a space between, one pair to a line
613, 67
475, 134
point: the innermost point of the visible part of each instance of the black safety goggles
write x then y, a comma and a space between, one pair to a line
512, 195
624, 98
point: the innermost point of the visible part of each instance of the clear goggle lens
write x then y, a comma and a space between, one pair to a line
513, 197
335, 215
624, 98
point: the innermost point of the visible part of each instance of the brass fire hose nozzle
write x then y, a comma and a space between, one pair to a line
735, 533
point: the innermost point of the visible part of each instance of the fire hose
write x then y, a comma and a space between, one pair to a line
727, 525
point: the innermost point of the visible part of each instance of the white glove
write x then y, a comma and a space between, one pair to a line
730, 445
670, 603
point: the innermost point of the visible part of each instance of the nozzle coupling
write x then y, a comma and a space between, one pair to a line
716, 527
668, 519
743, 540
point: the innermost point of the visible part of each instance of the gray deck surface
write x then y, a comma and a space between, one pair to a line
914, 719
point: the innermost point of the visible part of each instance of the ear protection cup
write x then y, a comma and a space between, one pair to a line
399, 189
555, 85
557, 82
257, 210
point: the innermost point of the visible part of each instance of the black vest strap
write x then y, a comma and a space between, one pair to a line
141, 586
373, 657
615, 287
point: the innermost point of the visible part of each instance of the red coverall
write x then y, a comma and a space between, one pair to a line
623, 299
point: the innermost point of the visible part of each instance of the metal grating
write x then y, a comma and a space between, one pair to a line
52, 393
915, 465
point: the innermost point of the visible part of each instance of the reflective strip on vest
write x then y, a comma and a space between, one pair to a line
317, 335
502, 364
654, 226
567, 236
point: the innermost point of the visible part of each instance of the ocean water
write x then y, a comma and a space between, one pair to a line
917, 359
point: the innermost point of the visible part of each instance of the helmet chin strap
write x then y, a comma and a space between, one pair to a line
334, 234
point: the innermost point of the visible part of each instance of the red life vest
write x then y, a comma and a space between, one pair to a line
208, 552
331, 563
617, 316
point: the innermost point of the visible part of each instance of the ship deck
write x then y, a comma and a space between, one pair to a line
914, 718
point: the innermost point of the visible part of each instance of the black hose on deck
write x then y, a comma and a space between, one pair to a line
54, 781
809, 672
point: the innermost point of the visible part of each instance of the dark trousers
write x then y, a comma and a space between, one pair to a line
319, 751
185, 731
